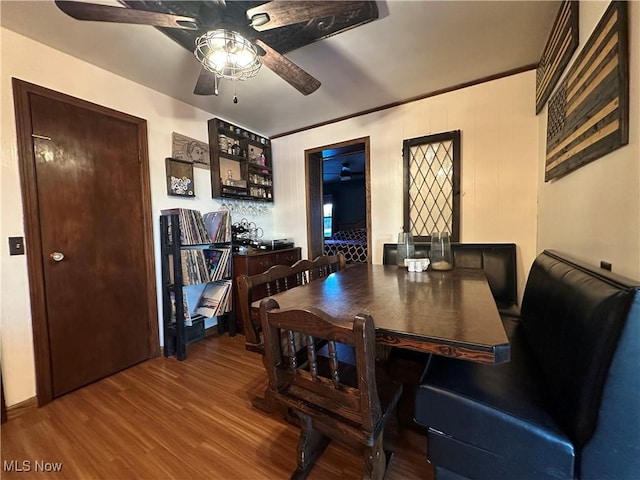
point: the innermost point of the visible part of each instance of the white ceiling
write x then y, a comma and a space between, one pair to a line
414, 48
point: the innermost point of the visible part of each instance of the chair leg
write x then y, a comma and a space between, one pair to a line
271, 406
261, 403
310, 446
375, 461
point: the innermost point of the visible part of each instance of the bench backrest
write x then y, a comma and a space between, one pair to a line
498, 260
573, 315
614, 449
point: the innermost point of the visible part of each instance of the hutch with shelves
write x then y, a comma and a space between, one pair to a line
241, 163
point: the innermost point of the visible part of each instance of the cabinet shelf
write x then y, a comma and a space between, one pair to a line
231, 156
239, 168
260, 169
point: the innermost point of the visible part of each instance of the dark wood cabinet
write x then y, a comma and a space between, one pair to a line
241, 165
254, 263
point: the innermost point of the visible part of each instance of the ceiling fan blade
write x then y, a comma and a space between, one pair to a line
106, 13
279, 13
287, 70
207, 83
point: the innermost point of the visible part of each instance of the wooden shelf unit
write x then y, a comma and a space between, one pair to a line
177, 335
237, 152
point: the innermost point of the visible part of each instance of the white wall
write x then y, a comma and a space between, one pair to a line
499, 163
36, 63
594, 212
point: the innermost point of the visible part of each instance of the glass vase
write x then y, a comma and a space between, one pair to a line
406, 248
440, 255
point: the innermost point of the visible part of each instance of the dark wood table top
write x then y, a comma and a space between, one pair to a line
449, 313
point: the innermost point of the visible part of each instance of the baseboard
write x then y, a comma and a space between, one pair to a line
14, 411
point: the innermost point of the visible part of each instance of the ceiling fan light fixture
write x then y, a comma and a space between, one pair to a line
227, 54
345, 172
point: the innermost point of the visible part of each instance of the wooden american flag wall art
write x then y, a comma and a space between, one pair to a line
588, 116
561, 45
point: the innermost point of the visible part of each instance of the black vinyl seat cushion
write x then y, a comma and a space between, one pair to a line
490, 411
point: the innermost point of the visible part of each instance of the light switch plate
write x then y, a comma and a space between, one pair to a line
16, 245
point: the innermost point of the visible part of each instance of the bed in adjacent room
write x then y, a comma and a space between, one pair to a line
351, 240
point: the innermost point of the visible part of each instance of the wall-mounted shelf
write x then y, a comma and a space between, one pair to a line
241, 165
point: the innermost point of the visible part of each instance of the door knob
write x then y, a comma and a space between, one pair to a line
57, 256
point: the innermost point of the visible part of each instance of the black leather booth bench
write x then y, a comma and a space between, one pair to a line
566, 406
498, 260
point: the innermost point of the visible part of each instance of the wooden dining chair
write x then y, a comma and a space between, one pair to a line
277, 279
325, 265
333, 400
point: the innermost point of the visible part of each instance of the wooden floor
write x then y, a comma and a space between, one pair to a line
183, 420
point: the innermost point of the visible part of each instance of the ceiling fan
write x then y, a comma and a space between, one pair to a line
230, 44
346, 173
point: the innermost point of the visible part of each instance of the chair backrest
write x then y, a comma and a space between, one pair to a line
325, 265
277, 279
334, 389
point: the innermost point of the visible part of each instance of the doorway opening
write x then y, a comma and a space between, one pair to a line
339, 200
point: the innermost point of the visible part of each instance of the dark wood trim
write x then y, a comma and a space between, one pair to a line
33, 240
313, 181
3, 407
147, 219
435, 93
22, 91
313, 174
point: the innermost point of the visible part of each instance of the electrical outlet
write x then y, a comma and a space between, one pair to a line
605, 265
16, 246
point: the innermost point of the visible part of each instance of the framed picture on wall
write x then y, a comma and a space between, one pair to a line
189, 149
588, 115
179, 178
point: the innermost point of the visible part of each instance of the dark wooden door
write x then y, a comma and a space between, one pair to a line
92, 214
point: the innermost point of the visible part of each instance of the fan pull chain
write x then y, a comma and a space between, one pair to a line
235, 97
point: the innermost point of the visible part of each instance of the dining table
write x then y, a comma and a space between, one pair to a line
450, 313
